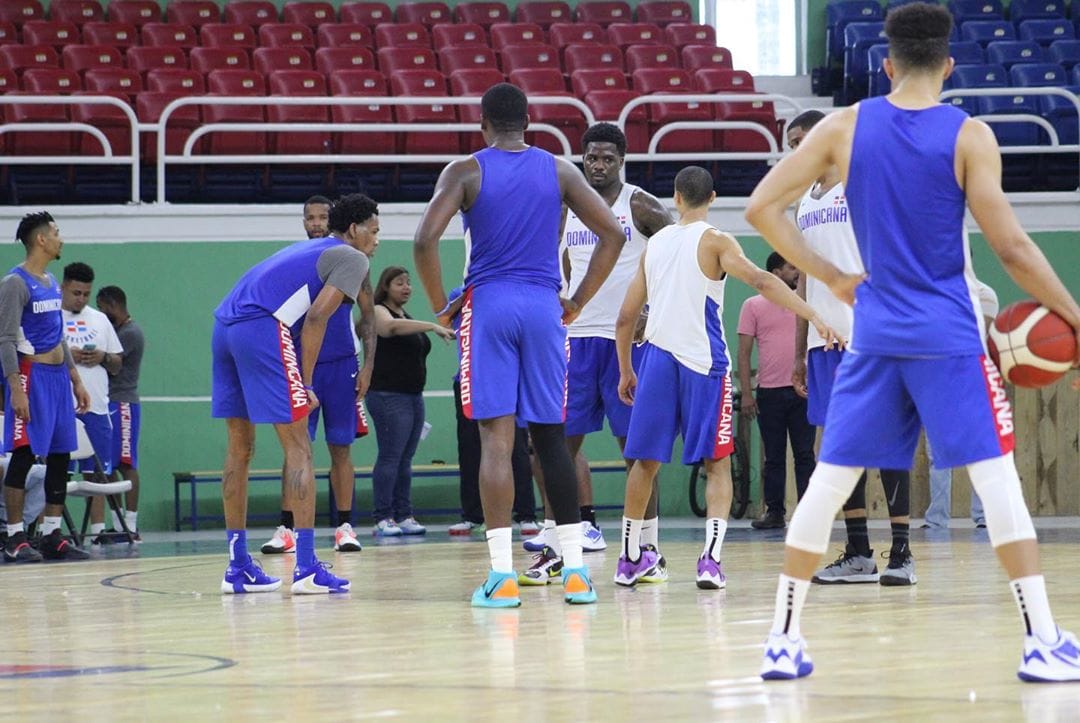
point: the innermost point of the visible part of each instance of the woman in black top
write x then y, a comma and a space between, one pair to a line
395, 400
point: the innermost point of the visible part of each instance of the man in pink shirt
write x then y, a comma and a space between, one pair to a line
780, 411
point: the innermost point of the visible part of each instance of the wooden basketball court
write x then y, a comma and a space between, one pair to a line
147, 635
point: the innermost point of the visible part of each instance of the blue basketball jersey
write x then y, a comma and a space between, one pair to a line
512, 228
920, 298
42, 323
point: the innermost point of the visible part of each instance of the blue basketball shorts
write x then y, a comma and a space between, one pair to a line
670, 400
821, 366
256, 373
334, 383
880, 403
51, 429
593, 386
513, 350
99, 430
126, 420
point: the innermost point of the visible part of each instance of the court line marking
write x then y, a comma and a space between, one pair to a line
111, 581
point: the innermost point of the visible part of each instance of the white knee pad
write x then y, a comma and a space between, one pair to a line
829, 488
998, 485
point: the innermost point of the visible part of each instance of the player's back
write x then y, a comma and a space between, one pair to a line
512, 228
685, 306
907, 208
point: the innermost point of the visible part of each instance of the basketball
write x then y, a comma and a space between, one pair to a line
1031, 345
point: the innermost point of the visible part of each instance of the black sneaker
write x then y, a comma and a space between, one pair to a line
55, 546
18, 549
771, 521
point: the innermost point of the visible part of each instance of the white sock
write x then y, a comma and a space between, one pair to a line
790, 596
570, 543
500, 550
14, 529
631, 538
650, 532
96, 528
1030, 594
715, 529
131, 517
49, 524
116, 521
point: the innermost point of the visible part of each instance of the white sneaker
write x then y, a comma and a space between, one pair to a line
465, 528
386, 528
409, 526
592, 539
345, 539
545, 538
284, 540
1056, 662
785, 658
528, 528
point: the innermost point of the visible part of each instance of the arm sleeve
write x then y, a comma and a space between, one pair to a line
344, 268
13, 297
747, 319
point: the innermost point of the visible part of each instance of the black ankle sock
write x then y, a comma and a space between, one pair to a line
858, 536
344, 517
589, 515
901, 534
287, 519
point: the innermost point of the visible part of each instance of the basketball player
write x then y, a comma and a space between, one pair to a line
593, 369
681, 276
335, 386
39, 375
257, 377
908, 164
822, 215
513, 345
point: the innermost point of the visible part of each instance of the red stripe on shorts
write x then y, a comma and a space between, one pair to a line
724, 436
20, 437
361, 420
298, 399
465, 346
999, 405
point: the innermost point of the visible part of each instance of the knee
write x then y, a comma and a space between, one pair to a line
242, 449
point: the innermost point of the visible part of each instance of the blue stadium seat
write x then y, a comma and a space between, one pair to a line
858, 37
1011, 52
976, 76
879, 81
1076, 74
1065, 52
893, 4
987, 31
1021, 10
1045, 32
1013, 134
839, 14
1036, 75
965, 10
967, 53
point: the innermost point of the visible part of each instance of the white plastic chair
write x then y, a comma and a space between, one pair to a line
100, 486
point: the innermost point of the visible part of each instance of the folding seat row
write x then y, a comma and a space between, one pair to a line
1042, 31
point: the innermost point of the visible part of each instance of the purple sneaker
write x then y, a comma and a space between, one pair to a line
710, 576
316, 580
248, 578
628, 573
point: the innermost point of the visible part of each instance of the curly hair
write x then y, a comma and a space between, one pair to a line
30, 223
605, 133
919, 35
350, 209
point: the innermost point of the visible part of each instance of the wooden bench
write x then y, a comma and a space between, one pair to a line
193, 480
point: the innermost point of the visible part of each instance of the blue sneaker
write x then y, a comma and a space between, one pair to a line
316, 580
500, 591
1056, 662
248, 578
785, 658
577, 587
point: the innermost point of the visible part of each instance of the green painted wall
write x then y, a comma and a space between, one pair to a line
173, 289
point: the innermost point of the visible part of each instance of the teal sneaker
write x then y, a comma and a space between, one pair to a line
577, 587
500, 591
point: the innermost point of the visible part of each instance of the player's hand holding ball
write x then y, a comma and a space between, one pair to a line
1032, 346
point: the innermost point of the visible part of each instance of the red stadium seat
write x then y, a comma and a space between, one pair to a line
286, 35
682, 34
108, 119
504, 34
425, 13
296, 83
705, 56
195, 13
758, 111
143, 58
367, 13
51, 81
472, 83
586, 81
170, 34
8, 33
205, 60
604, 12
626, 34
342, 35
312, 14
38, 143
182, 121
360, 83
651, 56
519, 57
82, 57
175, 80
228, 35
250, 12
235, 83
424, 83
581, 57
18, 12
484, 14
56, 33
664, 12
606, 106
563, 34
549, 82
459, 35
672, 80
402, 35
452, 59
136, 12
76, 11
718, 80
269, 60
330, 60
114, 81
544, 13
119, 35
392, 60
20, 57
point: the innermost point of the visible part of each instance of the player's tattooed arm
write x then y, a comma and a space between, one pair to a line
365, 331
648, 213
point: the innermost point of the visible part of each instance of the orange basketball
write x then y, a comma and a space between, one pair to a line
1031, 345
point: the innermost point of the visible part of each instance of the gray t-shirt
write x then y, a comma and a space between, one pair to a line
344, 268
124, 386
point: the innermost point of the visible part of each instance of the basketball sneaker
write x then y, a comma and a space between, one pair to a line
17, 549
284, 540
546, 567
900, 570
465, 527
1057, 662
577, 587
316, 580
710, 576
345, 539
54, 546
499, 591
538, 543
409, 526
628, 573
592, 539
850, 567
785, 658
659, 571
528, 528
386, 528
248, 578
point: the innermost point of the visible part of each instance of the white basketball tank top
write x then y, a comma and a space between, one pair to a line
599, 315
826, 224
685, 306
